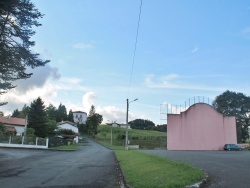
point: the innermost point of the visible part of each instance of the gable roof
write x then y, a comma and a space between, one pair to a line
12, 121
67, 122
79, 112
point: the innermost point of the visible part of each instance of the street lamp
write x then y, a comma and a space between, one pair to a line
126, 141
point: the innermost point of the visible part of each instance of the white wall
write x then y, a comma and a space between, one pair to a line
68, 126
19, 129
80, 117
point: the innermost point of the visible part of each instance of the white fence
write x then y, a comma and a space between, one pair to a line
24, 142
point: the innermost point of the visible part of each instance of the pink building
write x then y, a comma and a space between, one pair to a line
200, 127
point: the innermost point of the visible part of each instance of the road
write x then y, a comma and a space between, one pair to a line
227, 169
91, 166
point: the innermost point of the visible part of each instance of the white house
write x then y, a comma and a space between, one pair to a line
119, 125
71, 126
80, 117
13, 122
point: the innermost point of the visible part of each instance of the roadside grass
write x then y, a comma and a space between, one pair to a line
144, 170
67, 147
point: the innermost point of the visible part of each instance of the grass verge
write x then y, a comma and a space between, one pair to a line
143, 170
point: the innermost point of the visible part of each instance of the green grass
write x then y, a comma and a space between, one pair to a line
67, 147
143, 170
143, 138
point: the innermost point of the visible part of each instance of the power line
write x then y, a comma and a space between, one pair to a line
136, 38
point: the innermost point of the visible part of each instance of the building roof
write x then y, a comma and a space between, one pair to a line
79, 112
67, 122
12, 121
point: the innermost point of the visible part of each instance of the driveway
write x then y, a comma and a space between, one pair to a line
91, 166
227, 169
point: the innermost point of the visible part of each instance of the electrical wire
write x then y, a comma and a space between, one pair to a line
136, 39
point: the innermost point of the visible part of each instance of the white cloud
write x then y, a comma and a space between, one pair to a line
88, 99
173, 81
83, 46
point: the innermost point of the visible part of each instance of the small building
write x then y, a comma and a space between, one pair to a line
119, 125
200, 127
71, 126
80, 117
14, 123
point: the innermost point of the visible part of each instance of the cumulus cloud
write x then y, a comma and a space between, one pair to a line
38, 79
88, 99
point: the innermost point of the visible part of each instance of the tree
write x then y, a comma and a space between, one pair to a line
51, 128
61, 114
51, 112
16, 113
93, 120
25, 111
235, 104
37, 117
141, 124
92, 110
18, 18
30, 132
71, 116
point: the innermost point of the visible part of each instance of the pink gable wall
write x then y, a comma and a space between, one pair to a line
200, 127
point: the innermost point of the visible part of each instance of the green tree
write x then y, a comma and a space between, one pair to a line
141, 124
2, 128
18, 18
37, 117
93, 121
30, 132
71, 116
24, 112
16, 113
66, 131
51, 128
92, 110
61, 113
1, 113
51, 112
235, 104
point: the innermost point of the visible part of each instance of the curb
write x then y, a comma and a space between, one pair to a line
199, 184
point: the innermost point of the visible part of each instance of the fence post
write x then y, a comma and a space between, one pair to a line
36, 140
10, 140
22, 140
47, 142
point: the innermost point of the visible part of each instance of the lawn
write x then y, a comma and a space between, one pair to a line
143, 170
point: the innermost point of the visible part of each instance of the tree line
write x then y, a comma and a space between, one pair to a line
43, 120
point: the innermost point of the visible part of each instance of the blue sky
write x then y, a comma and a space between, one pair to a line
185, 49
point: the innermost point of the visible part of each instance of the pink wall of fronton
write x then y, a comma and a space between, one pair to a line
200, 127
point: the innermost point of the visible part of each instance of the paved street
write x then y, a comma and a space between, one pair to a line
227, 169
92, 166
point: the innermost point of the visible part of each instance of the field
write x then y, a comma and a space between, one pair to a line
143, 138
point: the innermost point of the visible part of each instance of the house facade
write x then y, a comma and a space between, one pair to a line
200, 127
80, 117
14, 123
71, 126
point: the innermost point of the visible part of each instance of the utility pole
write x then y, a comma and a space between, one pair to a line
126, 141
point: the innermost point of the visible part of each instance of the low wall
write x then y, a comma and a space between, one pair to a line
11, 144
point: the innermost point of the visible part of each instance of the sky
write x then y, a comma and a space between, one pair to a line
184, 49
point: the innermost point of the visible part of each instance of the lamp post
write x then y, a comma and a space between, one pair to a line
126, 141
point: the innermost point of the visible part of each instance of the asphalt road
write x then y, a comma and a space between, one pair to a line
227, 169
91, 166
